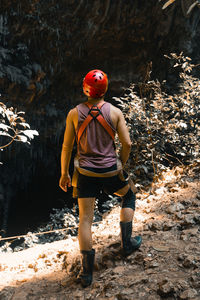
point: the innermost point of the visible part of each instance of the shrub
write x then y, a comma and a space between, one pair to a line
164, 127
13, 127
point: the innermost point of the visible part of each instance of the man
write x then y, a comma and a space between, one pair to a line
94, 125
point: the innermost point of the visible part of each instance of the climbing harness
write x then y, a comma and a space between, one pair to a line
95, 114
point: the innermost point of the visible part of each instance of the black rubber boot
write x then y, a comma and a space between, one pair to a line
129, 244
85, 275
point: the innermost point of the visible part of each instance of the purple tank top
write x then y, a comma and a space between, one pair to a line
96, 148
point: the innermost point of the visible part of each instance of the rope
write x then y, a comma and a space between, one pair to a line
38, 233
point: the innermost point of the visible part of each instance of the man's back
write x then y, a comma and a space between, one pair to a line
95, 134
117, 120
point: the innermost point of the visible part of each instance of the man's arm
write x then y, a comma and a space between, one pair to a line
124, 138
68, 142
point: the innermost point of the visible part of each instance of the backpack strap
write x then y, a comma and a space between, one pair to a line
95, 114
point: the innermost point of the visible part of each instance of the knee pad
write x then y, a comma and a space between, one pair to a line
128, 200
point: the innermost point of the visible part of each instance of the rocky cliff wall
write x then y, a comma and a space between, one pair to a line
48, 46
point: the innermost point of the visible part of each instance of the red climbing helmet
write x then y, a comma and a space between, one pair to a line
95, 84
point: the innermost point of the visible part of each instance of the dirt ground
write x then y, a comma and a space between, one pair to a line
167, 266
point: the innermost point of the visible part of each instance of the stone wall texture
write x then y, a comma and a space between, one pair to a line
48, 46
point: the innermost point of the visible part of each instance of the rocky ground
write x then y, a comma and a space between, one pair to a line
167, 266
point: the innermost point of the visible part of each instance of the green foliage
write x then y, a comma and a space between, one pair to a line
164, 127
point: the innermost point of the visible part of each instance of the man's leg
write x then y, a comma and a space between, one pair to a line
126, 213
86, 213
129, 244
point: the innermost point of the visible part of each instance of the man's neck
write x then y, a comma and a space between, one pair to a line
95, 101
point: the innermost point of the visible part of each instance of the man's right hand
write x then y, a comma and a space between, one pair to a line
65, 181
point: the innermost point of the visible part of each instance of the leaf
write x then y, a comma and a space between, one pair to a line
1, 110
145, 169
30, 133
22, 138
25, 125
184, 65
118, 100
5, 134
161, 248
176, 65
182, 124
168, 3
191, 7
21, 112
4, 127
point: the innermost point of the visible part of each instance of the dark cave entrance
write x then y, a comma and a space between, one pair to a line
33, 180
31, 207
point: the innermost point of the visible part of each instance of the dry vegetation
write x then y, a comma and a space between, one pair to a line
164, 126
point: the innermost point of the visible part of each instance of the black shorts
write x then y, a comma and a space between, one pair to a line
89, 187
